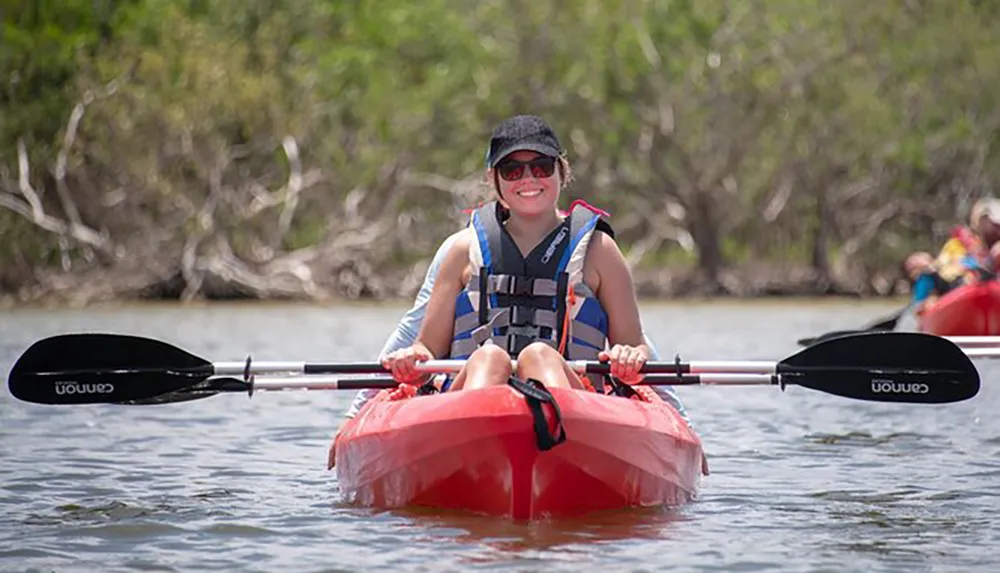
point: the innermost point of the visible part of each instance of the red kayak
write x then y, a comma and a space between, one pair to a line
969, 310
476, 450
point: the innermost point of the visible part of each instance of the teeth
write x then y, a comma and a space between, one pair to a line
529, 193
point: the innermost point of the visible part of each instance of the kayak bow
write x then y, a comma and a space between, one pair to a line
475, 450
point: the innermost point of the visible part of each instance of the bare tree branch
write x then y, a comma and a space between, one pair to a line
292, 188
30, 207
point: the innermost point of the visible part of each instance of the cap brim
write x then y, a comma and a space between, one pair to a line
536, 147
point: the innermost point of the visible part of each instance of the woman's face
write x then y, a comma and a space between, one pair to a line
529, 182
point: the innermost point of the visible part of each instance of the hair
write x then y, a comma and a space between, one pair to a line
565, 171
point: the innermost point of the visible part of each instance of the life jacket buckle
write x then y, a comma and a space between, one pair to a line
520, 286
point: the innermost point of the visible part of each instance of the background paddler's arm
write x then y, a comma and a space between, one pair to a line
438, 326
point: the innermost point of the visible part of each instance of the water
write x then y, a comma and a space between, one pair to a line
801, 481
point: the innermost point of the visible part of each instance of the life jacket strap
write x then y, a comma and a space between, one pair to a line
515, 285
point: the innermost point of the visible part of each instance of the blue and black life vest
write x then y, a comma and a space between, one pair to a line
513, 301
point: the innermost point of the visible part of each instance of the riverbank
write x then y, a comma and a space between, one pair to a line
756, 281
765, 280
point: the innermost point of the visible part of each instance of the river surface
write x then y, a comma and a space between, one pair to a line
801, 480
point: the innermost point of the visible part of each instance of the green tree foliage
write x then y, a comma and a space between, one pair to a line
835, 136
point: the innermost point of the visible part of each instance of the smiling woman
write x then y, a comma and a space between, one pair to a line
527, 281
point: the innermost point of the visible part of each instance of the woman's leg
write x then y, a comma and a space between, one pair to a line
544, 363
489, 365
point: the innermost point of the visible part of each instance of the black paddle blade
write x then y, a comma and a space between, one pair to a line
885, 324
888, 323
885, 367
102, 369
205, 389
827, 336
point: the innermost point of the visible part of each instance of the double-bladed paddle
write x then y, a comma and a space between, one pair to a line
123, 369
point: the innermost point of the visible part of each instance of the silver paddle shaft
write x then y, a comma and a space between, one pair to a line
332, 382
453, 366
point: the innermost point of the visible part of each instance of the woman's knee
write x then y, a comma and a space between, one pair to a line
538, 353
539, 360
489, 365
491, 354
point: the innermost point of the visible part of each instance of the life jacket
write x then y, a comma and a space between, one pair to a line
513, 301
942, 285
950, 262
969, 240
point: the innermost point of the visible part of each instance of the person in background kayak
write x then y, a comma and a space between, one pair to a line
528, 170
926, 283
970, 254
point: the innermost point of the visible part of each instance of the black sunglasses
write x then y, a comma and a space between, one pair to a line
541, 168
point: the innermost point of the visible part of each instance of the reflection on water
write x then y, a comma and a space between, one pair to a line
801, 481
507, 536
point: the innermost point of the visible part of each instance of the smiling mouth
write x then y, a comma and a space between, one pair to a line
532, 193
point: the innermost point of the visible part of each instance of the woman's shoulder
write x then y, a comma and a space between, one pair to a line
604, 262
603, 245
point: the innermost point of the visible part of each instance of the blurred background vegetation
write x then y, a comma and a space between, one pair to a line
322, 148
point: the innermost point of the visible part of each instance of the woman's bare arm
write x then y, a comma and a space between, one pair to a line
615, 291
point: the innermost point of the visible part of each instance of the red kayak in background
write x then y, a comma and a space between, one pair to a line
476, 450
969, 310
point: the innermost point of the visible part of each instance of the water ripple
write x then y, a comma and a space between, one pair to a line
801, 481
